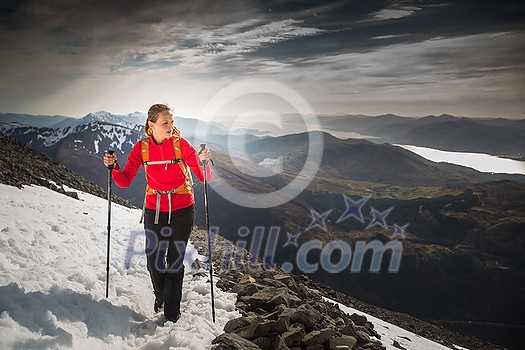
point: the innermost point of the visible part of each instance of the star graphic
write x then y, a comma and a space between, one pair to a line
318, 219
399, 231
292, 239
353, 208
379, 218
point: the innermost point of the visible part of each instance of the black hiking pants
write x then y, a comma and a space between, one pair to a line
165, 249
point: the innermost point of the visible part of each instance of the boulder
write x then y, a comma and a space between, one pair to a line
318, 337
306, 315
294, 335
263, 329
238, 323
344, 342
279, 344
231, 341
359, 319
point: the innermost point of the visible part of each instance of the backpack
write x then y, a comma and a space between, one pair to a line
185, 188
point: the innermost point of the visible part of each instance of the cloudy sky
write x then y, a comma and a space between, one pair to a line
411, 58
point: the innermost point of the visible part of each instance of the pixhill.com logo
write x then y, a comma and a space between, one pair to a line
256, 248
334, 256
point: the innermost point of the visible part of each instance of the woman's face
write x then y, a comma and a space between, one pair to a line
163, 127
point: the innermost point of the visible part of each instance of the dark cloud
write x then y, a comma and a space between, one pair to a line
352, 26
355, 48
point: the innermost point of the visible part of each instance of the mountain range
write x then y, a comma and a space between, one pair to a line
55, 299
461, 266
496, 136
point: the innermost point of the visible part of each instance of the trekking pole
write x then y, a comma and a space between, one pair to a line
210, 261
110, 175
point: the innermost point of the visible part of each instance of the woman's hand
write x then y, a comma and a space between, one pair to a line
205, 154
110, 159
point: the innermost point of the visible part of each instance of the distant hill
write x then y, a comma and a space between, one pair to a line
31, 120
493, 136
359, 159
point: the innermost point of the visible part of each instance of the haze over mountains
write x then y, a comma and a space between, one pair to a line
463, 248
80, 144
493, 136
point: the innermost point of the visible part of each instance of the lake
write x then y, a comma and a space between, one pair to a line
482, 162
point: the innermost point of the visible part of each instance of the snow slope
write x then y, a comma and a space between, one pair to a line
390, 333
53, 276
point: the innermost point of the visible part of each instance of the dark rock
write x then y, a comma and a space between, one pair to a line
238, 323
225, 284
280, 308
283, 297
260, 311
314, 347
344, 342
245, 289
284, 278
263, 329
287, 312
306, 315
370, 328
293, 336
269, 281
349, 330
246, 279
362, 337
397, 345
259, 299
279, 344
231, 341
318, 337
273, 316
240, 305
340, 322
264, 343
248, 332
359, 319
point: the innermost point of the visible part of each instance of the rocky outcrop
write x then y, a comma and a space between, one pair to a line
21, 165
249, 286
280, 314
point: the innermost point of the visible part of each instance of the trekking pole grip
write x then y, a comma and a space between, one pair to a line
203, 147
204, 162
111, 152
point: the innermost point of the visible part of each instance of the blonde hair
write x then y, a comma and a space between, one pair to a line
153, 116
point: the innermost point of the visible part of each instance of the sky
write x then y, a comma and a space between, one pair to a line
411, 58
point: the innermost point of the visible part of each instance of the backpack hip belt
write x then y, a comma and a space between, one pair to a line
157, 207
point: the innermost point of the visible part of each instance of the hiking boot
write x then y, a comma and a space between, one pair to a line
173, 319
159, 302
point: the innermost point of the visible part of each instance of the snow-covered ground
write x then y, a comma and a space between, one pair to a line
390, 333
53, 278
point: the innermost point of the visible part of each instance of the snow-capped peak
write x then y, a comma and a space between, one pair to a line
135, 118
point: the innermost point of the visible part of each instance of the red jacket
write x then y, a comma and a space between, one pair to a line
163, 177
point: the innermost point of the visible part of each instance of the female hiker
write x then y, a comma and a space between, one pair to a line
168, 204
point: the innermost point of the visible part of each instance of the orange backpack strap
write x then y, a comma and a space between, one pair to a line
183, 166
144, 151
